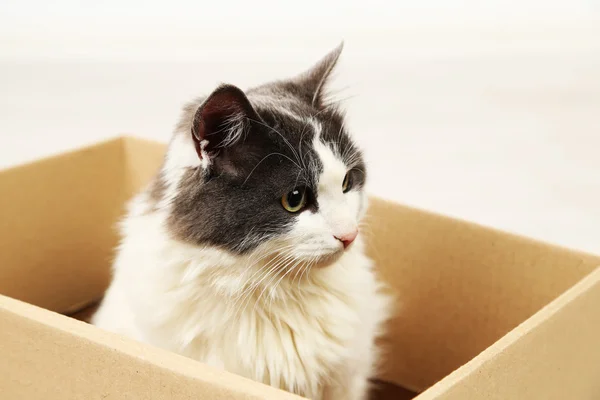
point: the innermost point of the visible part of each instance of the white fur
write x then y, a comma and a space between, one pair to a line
308, 330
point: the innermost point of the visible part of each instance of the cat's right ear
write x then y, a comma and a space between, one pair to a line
312, 83
222, 120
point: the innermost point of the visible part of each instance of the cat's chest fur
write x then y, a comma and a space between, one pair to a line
292, 334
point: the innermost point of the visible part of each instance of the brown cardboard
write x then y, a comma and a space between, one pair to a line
54, 217
513, 318
553, 355
461, 287
50, 356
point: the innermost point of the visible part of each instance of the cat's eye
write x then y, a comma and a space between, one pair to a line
347, 183
295, 200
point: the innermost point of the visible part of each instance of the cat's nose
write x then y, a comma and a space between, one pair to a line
347, 238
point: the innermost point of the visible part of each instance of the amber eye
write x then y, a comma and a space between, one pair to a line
347, 183
295, 200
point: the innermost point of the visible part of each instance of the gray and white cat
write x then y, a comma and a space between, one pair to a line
244, 252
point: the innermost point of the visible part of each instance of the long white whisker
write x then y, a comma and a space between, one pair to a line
275, 262
274, 288
249, 288
268, 284
241, 304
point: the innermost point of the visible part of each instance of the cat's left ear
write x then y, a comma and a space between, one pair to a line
221, 120
312, 82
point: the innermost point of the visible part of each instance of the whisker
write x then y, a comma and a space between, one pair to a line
250, 286
274, 288
282, 137
243, 303
263, 159
268, 284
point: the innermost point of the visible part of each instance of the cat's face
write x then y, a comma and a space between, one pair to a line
272, 170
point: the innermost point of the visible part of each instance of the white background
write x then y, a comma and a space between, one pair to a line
488, 111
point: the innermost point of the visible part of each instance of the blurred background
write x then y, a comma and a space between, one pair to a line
483, 110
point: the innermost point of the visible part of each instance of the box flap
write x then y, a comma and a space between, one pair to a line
555, 355
52, 357
459, 287
59, 224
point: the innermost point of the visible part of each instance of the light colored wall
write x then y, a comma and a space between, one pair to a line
488, 111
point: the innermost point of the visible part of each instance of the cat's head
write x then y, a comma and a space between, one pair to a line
270, 169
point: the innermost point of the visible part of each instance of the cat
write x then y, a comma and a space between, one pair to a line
244, 252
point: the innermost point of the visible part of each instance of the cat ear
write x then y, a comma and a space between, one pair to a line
313, 81
221, 120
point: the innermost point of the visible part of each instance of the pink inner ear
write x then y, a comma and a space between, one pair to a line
210, 129
224, 103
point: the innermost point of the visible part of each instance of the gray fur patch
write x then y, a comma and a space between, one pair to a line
235, 203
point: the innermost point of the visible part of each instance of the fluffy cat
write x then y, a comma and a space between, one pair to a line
244, 252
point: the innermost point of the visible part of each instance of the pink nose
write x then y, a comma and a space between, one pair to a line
347, 238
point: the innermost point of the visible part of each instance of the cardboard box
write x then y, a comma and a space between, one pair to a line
484, 314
